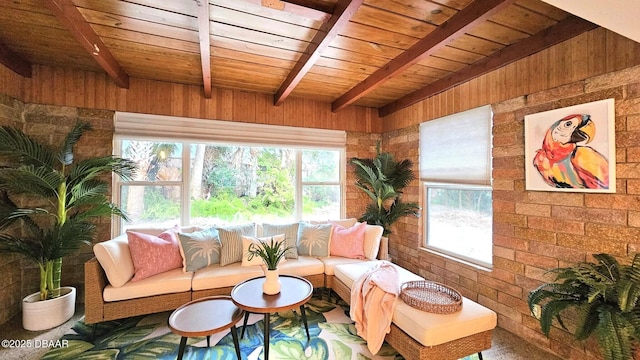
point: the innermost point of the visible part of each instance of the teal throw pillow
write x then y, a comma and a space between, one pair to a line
199, 249
290, 232
314, 240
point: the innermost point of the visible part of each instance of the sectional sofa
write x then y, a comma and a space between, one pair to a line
111, 294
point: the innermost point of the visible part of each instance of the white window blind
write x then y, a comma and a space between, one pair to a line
159, 127
457, 148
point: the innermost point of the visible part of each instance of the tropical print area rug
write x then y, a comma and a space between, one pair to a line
333, 337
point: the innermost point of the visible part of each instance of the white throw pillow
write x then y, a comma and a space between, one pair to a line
256, 260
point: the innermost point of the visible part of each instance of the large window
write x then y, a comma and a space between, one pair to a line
455, 168
205, 183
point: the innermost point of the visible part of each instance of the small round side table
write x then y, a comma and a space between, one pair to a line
204, 317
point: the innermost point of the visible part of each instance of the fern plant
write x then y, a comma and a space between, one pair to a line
382, 179
270, 252
604, 296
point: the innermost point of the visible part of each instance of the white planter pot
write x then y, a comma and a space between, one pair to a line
271, 285
42, 315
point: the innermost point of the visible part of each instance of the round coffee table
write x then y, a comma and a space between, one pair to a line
295, 292
204, 317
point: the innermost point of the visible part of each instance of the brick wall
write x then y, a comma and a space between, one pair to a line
50, 124
536, 231
11, 279
360, 145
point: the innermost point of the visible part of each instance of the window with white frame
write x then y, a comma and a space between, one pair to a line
455, 169
204, 172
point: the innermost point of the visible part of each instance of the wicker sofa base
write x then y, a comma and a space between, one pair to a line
410, 349
98, 310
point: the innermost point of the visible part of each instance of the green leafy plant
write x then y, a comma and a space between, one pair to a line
270, 252
604, 297
59, 197
382, 179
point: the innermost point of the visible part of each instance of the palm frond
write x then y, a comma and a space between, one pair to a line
91, 168
17, 147
74, 135
30, 181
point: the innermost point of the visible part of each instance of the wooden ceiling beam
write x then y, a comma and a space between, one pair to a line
14, 61
473, 14
310, 4
562, 31
343, 12
71, 18
204, 33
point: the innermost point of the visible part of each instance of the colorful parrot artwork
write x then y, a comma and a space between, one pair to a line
564, 161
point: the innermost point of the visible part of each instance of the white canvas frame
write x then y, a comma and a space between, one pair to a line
602, 114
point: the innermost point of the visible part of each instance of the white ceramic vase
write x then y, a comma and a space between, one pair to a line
271, 285
42, 315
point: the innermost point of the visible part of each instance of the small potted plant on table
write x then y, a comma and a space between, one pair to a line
271, 252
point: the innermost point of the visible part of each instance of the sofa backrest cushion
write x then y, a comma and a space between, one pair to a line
372, 236
115, 258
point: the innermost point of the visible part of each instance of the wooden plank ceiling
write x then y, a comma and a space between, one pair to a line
386, 54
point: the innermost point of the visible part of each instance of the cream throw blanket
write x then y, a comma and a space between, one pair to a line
373, 298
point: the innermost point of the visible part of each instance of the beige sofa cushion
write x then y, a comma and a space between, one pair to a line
115, 258
302, 266
427, 328
216, 276
168, 282
372, 236
331, 262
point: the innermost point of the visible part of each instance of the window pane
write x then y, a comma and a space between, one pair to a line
459, 222
320, 166
238, 184
320, 202
151, 205
156, 161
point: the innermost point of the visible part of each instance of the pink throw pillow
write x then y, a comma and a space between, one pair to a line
153, 255
348, 242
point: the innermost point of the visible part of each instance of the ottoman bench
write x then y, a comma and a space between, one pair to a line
417, 334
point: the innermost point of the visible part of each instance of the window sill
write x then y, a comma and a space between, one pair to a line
449, 257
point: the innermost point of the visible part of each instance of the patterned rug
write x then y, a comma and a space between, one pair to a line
333, 337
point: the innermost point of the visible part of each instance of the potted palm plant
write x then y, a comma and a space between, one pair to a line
382, 179
271, 253
47, 203
604, 299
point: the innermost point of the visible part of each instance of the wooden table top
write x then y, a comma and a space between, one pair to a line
294, 292
206, 316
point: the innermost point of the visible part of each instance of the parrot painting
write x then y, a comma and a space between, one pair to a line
564, 161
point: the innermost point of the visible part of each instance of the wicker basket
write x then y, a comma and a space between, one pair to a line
431, 296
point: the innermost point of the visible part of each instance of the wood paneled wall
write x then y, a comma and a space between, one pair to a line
85, 89
593, 53
11, 84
